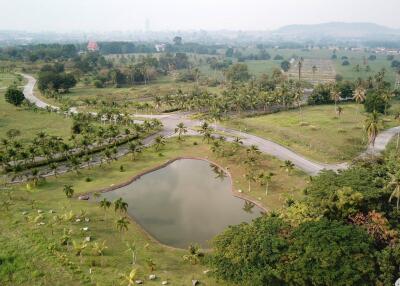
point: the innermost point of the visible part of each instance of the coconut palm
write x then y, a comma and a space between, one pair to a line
105, 205
120, 205
250, 177
300, 66
372, 127
394, 184
264, 179
159, 141
288, 166
135, 147
129, 278
151, 264
79, 247
335, 96
314, 70
359, 95
181, 129
68, 190
386, 96
99, 248
122, 224
131, 248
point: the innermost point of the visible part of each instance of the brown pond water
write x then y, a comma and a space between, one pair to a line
187, 201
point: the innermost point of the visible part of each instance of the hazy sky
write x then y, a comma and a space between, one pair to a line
106, 15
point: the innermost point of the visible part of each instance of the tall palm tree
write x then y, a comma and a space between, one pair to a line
181, 129
359, 95
105, 205
394, 184
265, 179
159, 141
372, 127
335, 96
122, 224
131, 248
300, 66
314, 70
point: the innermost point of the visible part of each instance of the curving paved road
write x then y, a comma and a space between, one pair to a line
266, 146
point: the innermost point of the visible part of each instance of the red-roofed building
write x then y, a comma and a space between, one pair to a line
92, 46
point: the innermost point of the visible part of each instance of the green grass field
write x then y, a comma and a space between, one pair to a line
31, 245
30, 122
316, 132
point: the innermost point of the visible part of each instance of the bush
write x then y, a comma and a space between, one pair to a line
285, 65
345, 63
98, 84
14, 96
320, 95
374, 102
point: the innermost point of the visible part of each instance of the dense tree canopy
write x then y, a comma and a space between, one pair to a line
14, 95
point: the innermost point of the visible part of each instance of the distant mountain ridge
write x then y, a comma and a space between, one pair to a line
337, 30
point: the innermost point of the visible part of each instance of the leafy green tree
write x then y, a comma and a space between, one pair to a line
328, 253
285, 66
375, 102
249, 254
14, 95
238, 72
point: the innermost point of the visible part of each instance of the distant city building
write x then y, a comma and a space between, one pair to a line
160, 47
92, 46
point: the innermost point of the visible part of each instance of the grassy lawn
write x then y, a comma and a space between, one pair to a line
30, 122
316, 133
34, 255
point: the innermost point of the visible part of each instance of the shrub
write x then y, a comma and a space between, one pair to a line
14, 96
374, 102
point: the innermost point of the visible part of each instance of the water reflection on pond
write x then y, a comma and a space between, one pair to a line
187, 201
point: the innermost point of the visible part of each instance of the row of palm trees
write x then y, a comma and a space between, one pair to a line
16, 155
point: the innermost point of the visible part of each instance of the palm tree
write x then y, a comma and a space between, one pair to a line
151, 264
79, 247
122, 224
69, 191
237, 142
386, 96
250, 177
359, 95
53, 167
99, 247
394, 184
131, 247
105, 204
288, 166
265, 179
130, 278
248, 206
314, 70
372, 127
181, 129
135, 147
120, 205
300, 66
159, 141
335, 96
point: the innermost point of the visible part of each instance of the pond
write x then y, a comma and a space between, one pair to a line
187, 201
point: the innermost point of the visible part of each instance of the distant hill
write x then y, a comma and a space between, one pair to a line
337, 30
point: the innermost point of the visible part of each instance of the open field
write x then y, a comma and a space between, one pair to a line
316, 132
58, 266
30, 122
325, 71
